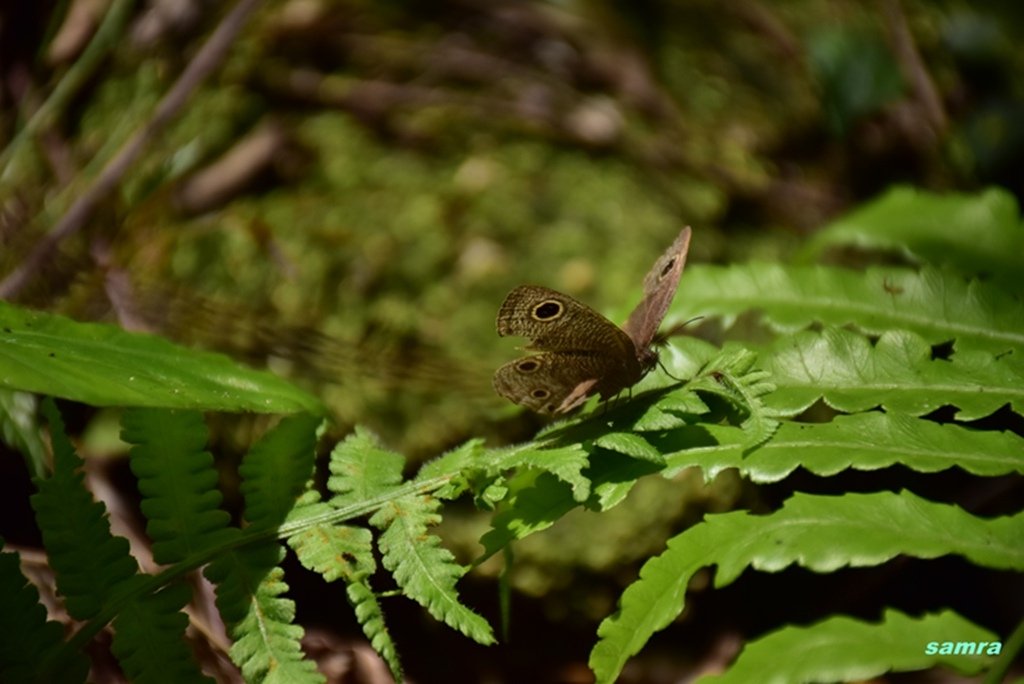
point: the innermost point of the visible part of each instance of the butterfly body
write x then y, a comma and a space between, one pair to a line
579, 352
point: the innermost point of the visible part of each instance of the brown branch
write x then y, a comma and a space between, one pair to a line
925, 92
205, 61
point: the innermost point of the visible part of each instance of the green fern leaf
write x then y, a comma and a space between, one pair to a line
864, 441
149, 639
615, 476
28, 637
897, 373
841, 649
371, 617
566, 463
249, 581
976, 234
732, 376
336, 552
277, 468
90, 563
426, 571
177, 480
937, 306
249, 597
630, 444
539, 500
346, 553
362, 469
875, 527
457, 460
670, 411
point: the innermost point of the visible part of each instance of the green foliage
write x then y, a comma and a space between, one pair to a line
19, 429
259, 619
856, 72
939, 306
149, 642
425, 571
885, 372
249, 582
841, 649
177, 481
977, 235
874, 527
29, 638
105, 366
91, 564
897, 373
870, 357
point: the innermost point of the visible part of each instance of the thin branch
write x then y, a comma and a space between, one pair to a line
914, 68
106, 37
204, 62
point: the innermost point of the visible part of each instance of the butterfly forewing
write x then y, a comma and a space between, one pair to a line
556, 322
660, 285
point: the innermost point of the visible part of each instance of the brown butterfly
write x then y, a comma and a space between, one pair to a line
580, 352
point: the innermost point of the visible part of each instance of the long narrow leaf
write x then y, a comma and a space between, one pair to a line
938, 306
102, 365
28, 637
260, 620
977, 234
897, 373
149, 639
91, 564
863, 441
426, 571
841, 649
177, 480
874, 527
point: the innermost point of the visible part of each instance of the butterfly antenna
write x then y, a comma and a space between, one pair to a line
662, 338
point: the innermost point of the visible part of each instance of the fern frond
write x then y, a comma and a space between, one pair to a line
277, 468
978, 234
28, 637
863, 441
733, 377
90, 563
149, 639
566, 463
874, 527
937, 306
361, 468
842, 649
177, 480
371, 618
249, 597
459, 465
346, 552
249, 581
670, 411
897, 373
630, 444
336, 552
538, 501
426, 571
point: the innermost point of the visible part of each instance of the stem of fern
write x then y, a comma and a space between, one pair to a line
144, 584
